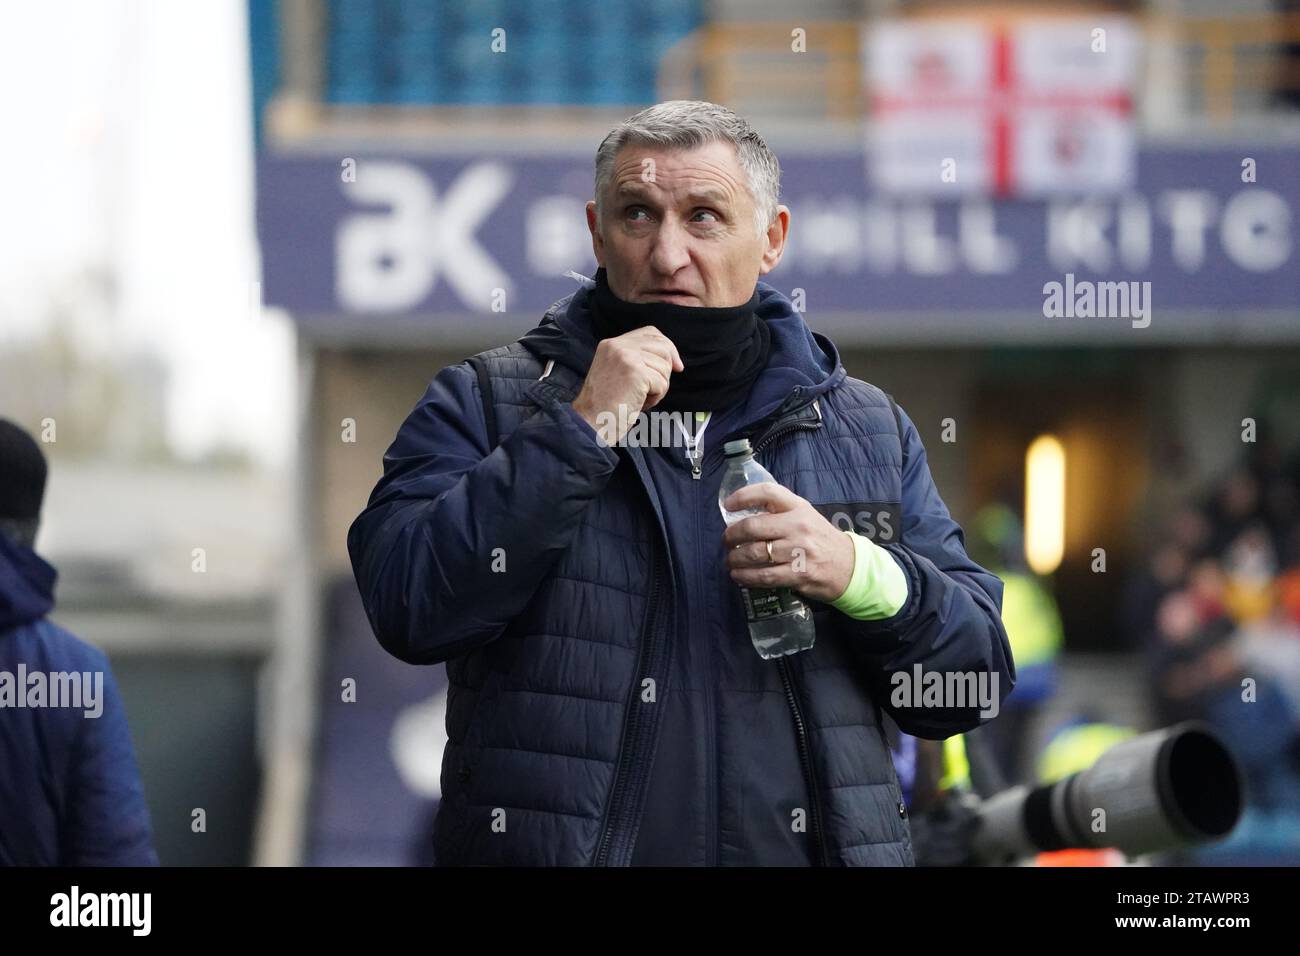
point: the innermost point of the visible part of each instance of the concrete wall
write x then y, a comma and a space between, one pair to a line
377, 390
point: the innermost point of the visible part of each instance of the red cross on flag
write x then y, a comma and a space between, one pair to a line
1029, 108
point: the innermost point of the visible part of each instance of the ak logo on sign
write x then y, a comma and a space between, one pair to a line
389, 259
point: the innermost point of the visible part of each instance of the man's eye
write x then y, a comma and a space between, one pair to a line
707, 212
633, 211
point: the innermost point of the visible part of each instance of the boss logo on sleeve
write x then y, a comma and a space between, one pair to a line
881, 521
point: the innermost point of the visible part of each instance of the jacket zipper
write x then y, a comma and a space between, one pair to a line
637, 721
782, 430
634, 718
711, 817
695, 453
635, 728
791, 694
695, 447
801, 730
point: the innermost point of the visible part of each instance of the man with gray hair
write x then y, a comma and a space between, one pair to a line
548, 525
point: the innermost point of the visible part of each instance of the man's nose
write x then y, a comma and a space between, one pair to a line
671, 250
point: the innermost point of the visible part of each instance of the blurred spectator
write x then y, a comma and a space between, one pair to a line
1250, 565
1033, 624
1271, 646
70, 792
1234, 506
1217, 610
1206, 585
1190, 530
1191, 659
1288, 594
1200, 675
1165, 570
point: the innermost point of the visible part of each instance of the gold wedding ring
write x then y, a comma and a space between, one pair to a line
770, 559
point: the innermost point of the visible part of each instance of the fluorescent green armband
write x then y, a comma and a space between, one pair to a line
878, 588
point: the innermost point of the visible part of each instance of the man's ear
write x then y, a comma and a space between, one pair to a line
774, 240
593, 226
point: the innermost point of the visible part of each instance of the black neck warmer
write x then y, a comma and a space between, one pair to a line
723, 349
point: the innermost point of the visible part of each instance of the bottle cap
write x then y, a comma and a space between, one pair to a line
738, 447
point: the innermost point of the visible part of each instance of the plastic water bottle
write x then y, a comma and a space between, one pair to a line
780, 622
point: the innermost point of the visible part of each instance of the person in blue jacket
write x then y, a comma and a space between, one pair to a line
70, 792
547, 525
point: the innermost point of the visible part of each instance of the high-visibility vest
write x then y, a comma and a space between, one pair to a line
1031, 619
956, 768
1078, 748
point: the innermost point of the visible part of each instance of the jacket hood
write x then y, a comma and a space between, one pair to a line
801, 363
26, 585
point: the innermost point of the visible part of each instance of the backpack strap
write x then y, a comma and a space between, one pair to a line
492, 414
477, 363
902, 444
898, 420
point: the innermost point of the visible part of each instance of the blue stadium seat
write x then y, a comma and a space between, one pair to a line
557, 51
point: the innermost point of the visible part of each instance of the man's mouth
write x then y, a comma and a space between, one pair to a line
669, 295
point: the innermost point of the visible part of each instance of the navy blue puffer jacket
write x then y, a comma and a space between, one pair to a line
606, 706
70, 792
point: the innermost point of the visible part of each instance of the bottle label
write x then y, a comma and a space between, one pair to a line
761, 603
